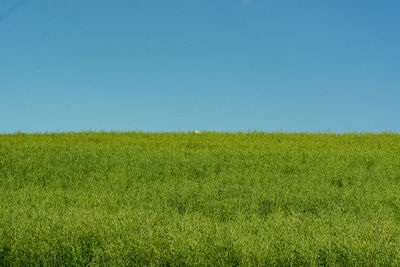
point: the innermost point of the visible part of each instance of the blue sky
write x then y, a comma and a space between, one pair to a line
169, 65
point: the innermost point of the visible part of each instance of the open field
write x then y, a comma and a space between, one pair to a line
199, 199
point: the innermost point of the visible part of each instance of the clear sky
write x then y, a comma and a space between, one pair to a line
181, 65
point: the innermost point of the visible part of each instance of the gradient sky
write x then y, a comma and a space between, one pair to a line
181, 65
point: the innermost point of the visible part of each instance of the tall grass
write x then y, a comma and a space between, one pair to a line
199, 199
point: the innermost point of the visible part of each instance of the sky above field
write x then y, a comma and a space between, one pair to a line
169, 65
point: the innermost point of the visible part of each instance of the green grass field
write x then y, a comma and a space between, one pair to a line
199, 199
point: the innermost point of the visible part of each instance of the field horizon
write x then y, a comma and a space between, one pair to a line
208, 198
325, 132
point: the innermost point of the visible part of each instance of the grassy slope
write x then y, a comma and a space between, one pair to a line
210, 198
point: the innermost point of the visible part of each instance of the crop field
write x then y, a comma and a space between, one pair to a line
207, 198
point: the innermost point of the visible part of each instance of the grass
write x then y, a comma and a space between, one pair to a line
199, 199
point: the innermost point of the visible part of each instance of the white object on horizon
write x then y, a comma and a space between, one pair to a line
196, 131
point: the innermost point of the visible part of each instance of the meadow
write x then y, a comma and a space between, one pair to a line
73, 199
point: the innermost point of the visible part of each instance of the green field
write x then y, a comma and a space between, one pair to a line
199, 199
